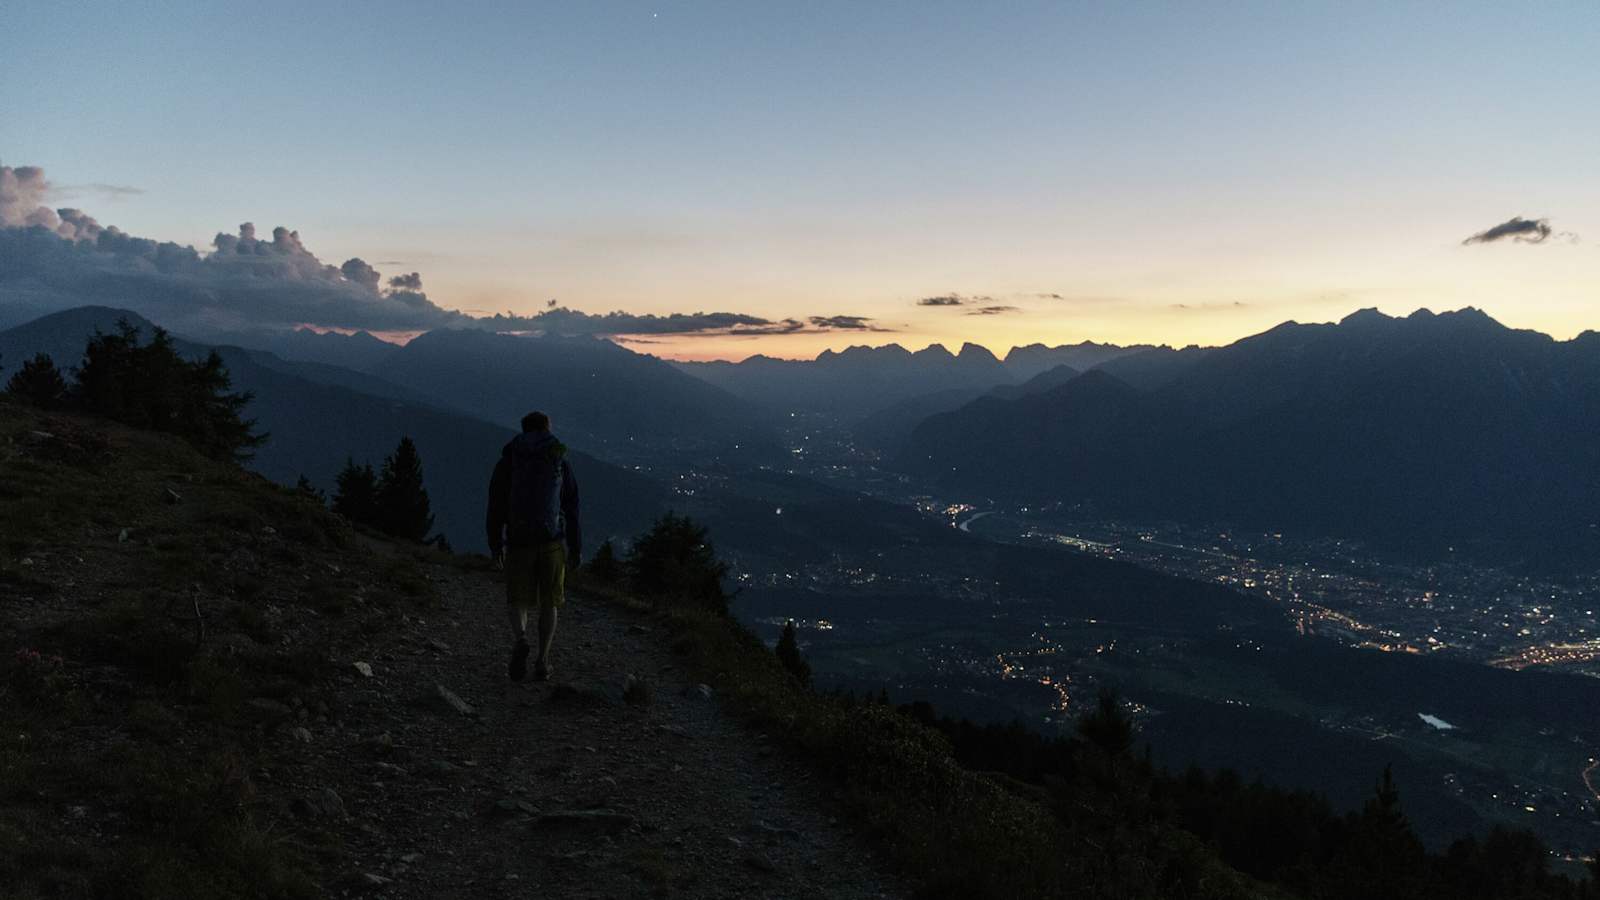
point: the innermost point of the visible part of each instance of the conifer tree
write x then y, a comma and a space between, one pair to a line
152, 386
674, 561
1108, 727
788, 651
355, 494
403, 507
605, 567
38, 382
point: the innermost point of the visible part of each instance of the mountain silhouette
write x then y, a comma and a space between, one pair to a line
1422, 433
359, 351
1035, 359
618, 401
856, 381
888, 429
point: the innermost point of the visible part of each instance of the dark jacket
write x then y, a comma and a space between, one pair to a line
521, 522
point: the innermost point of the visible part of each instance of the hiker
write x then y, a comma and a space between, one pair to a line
534, 534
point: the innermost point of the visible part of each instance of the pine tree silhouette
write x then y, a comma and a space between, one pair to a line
788, 651
1108, 727
675, 562
152, 386
403, 507
355, 493
38, 382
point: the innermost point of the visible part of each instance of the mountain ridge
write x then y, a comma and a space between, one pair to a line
1413, 431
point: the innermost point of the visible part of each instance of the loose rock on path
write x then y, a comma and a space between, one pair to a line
451, 781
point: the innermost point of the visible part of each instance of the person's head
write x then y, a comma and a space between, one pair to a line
536, 422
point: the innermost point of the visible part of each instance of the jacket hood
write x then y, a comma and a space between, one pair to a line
530, 443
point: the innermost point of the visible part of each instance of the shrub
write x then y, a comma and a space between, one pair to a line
788, 651
36, 679
38, 382
304, 488
605, 568
355, 494
675, 563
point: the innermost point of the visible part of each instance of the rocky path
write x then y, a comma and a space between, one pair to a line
561, 789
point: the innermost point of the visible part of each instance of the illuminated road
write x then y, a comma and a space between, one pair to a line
967, 525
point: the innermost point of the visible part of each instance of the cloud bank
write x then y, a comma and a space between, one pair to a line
55, 258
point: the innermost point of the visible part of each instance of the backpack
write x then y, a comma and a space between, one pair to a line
535, 483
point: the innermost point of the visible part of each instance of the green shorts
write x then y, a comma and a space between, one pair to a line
537, 575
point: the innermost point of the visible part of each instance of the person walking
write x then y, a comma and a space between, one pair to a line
534, 535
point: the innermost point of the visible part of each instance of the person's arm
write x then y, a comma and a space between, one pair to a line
569, 513
495, 521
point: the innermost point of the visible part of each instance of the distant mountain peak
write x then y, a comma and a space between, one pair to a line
971, 352
934, 351
1368, 316
863, 351
1469, 315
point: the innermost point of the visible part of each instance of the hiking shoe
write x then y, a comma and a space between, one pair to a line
519, 660
541, 671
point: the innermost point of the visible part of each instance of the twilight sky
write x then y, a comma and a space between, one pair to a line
1123, 172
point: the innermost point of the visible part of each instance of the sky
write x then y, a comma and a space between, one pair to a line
1056, 172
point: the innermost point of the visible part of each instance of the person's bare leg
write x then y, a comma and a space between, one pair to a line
547, 633
518, 667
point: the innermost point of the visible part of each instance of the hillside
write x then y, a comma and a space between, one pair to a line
318, 415
244, 754
193, 721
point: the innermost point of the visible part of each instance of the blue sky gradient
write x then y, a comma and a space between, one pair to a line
1175, 172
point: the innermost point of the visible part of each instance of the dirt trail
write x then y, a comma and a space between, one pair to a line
562, 789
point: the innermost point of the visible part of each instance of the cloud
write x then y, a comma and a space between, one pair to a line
954, 300
23, 191
108, 191
1523, 231
844, 323
54, 259
561, 320
357, 271
993, 310
572, 322
1197, 307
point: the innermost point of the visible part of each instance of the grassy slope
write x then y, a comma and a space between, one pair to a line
961, 834
133, 751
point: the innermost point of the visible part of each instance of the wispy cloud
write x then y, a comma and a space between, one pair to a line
1218, 305
845, 323
995, 310
111, 192
953, 299
1520, 230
